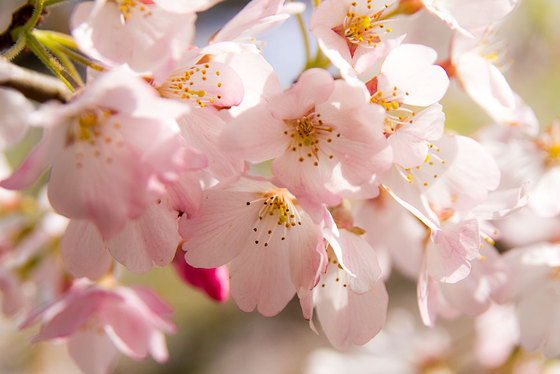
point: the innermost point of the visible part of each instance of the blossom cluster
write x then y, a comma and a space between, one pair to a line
196, 156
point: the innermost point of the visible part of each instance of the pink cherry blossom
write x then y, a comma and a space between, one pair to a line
353, 34
545, 195
350, 299
457, 173
116, 145
28, 263
397, 236
315, 128
220, 78
147, 37
255, 18
535, 288
460, 273
536, 161
255, 225
475, 65
497, 335
403, 346
180, 6
408, 81
468, 17
148, 240
97, 322
486, 282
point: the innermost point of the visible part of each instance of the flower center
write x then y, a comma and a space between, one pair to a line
308, 134
549, 142
87, 126
364, 29
90, 132
430, 170
335, 275
184, 85
397, 114
278, 211
128, 8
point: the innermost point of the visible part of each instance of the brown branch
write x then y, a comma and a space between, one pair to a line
33, 85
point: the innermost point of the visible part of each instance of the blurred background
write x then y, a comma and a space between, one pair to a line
216, 338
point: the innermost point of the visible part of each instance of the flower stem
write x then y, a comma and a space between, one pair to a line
15, 50
52, 63
52, 2
57, 37
64, 44
35, 86
305, 38
31, 22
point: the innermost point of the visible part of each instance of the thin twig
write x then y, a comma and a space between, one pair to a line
35, 86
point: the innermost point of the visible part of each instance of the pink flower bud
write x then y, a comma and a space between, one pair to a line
214, 282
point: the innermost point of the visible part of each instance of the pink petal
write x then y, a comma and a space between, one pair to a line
220, 230
268, 287
347, 317
425, 83
427, 297
255, 17
361, 260
15, 109
83, 251
93, 351
545, 198
74, 312
152, 301
256, 135
308, 257
35, 164
448, 256
128, 329
149, 240
202, 128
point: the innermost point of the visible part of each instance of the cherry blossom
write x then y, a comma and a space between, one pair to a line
403, 346
254, 224
468, 17
475, 64
497, 335
401, 88
146, 36
214, 80
97, 322
536, 162
353, 34
313, 128
457, 173
159, 150
98, 140
402, 248
255, 18
534, 287
460, 272
350, 301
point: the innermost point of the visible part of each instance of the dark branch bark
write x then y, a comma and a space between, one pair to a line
33, 85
